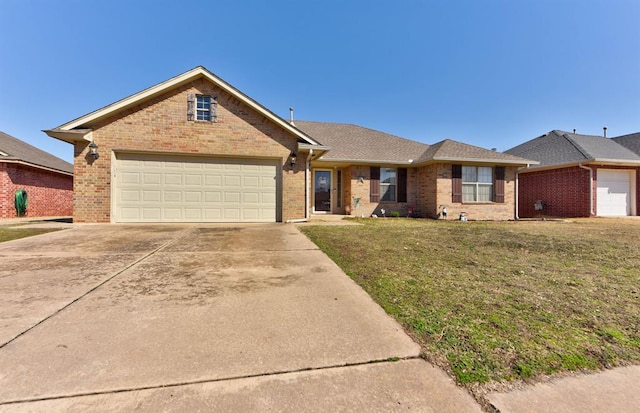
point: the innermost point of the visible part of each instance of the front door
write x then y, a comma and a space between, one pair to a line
322, 191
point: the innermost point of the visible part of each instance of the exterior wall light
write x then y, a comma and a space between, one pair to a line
93, 150
292, 159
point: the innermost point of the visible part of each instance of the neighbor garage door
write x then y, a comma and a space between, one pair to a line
194, 189
614, 192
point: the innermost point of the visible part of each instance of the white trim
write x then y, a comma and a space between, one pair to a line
33, 165
179, 80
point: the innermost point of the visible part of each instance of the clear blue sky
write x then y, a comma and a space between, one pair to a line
492, 73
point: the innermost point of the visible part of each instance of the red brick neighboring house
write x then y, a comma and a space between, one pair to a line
47, 179
196, 149
578, 176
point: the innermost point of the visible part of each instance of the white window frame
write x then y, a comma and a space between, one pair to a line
388, 188
204, 114
476, 184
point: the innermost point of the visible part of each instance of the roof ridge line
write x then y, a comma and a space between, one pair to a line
577, 146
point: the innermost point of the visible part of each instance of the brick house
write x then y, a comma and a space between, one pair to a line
47, 179
196, 149
578, 176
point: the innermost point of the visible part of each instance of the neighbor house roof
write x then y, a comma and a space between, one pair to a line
15, 150
79, 129
563, 148
352, 143
631, 142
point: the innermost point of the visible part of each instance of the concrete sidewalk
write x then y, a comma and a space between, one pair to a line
616, 390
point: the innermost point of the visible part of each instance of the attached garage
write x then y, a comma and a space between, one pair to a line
615, 196
163, 188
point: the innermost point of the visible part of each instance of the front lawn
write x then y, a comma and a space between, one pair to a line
501, 301
8, 233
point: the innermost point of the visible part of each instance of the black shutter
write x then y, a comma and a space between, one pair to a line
402, 185
456, 183
374, 190
499, 185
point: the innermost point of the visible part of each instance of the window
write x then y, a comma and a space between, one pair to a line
387, 184
202, 107
477, 184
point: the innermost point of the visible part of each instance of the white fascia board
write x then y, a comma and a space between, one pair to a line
364, 161
35, 165
586, 162
177, 81
484, 160
70, 136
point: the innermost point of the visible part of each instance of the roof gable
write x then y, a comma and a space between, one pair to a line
15, 150
450, 150
82, 124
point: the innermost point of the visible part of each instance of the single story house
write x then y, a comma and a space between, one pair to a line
578, 176
196, 149
47, 179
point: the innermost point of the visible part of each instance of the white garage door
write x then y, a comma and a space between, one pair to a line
183, 189
614, 192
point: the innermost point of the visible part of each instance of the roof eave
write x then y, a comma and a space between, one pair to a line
482, 160
611, 162
365, 161
70, 136
34, 165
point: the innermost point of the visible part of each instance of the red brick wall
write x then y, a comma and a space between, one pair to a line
435, 190
160, 125
49, 193
564, 193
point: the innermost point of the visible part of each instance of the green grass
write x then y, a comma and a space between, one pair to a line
501, 301
15, 232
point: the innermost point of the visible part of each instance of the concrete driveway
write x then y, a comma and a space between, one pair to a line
199, 318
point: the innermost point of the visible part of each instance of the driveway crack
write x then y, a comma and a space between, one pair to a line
179, 236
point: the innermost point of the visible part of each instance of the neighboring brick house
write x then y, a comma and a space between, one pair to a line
48, 180
195, 149
578, 176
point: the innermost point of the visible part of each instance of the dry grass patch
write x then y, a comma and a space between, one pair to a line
9, 233
502, 301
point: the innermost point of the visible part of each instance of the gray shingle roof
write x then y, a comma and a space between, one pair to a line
355, 143
17, 150
452, 150
631, 142
559, 147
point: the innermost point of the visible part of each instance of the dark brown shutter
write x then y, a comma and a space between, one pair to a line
499, 185
374, 191
402, 185
456, 183
191, 104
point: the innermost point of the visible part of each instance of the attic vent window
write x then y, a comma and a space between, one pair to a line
202, 108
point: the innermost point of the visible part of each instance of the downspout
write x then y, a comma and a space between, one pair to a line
306, 190
516, 190
591, 213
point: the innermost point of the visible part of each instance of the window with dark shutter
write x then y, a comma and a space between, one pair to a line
402, 184
456, 183
374, 191
499, 195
